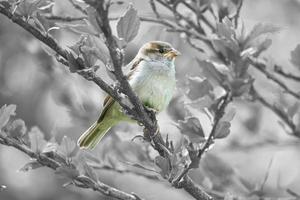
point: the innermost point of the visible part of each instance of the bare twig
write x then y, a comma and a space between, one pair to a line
289, 122
238, 11
261, 66
50, 42
78, 181
280, 71
78, 7
64, 18
224, 101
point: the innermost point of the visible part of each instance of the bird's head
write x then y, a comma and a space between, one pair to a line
158, 51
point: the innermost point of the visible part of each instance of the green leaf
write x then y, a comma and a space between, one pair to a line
191, 127
37, 141
198, 87
128, 25
5, 113
68, 147
30, 166
295, 56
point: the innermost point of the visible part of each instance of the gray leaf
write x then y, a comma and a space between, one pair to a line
128, 25
191, 127
30, 166
295, 56
5, 113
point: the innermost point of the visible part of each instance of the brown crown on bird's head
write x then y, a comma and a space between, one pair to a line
158, 50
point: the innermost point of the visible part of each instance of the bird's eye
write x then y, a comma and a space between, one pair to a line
161, 50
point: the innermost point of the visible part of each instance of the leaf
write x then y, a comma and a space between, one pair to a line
88, 170
37, 141
128, 25
73, 65
28, 8
225, 29
222, 129
261, 29
293, 110
91, 49
198, 87
30, 166
262, 46
191, 127
67, 172
163, 165
295, 56
201, 103
229, 114
5, 113
79, 27
210, 72
229, 48
240, 86
17, 128
68, 147
92, 16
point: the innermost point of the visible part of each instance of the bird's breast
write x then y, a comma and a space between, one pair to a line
154, 88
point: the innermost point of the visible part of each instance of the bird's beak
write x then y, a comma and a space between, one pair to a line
173, 53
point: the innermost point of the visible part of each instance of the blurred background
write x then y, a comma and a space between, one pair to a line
59, 103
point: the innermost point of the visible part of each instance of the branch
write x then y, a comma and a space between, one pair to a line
224, 101
64, 18
287, 120
78, 7
238, 11
138, 111
278, 69
261, 66
80, 181
50, 42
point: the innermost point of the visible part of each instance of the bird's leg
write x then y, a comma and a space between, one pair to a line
151, 110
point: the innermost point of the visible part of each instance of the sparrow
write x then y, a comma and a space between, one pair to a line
152, 78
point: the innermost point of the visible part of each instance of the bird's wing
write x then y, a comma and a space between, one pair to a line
109, 101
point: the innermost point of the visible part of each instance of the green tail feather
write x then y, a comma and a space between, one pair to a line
91, 137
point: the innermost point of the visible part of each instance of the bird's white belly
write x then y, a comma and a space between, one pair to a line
154, 90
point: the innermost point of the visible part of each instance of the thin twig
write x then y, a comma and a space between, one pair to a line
64, 18
224, 101
280, 71
78, 7
53, 164
238, 11
288, 121
50, 42
261, 66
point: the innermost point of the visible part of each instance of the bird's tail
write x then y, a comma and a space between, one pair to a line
91, 137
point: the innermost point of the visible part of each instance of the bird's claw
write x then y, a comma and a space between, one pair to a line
149, 109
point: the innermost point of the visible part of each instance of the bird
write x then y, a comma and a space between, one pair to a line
152, 78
